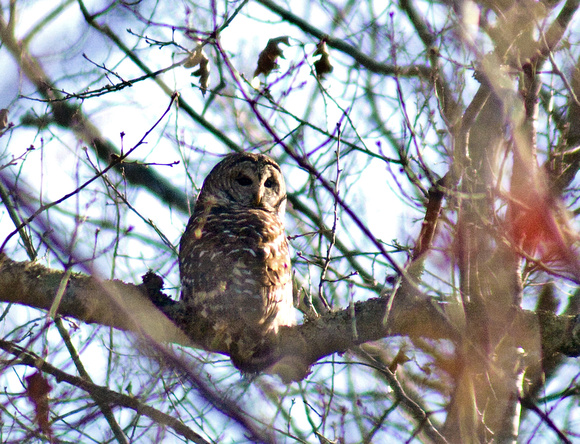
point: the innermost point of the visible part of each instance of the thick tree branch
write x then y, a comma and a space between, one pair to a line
137, 309
88, 299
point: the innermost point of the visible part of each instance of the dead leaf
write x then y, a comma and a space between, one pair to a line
37, 390
198, 57
267, 59
322, 65
401, 358
195, 57
3, 118
203, 74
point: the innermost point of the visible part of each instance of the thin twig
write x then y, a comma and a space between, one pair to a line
119, 159
104, 394
104, 407
334, 224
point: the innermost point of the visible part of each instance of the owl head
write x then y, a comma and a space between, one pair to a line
244, 180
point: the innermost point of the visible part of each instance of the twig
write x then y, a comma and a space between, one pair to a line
101, 393
91, 180
420, 415
534, 408
334, 224
104, 407
368, 62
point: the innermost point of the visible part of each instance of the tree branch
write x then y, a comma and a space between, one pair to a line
139, 309
101, 394
71, 117
88, 299
364, 60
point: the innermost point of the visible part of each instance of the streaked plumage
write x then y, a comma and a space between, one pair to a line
233, 260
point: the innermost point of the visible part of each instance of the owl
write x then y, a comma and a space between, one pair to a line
233, 257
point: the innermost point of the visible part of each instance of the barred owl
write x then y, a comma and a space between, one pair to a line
233, 257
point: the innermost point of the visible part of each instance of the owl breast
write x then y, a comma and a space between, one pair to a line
235, 266
251, 265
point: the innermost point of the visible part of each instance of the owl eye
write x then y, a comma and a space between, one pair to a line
269, 183
244, 181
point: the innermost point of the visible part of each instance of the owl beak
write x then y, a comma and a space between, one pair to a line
258, 198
